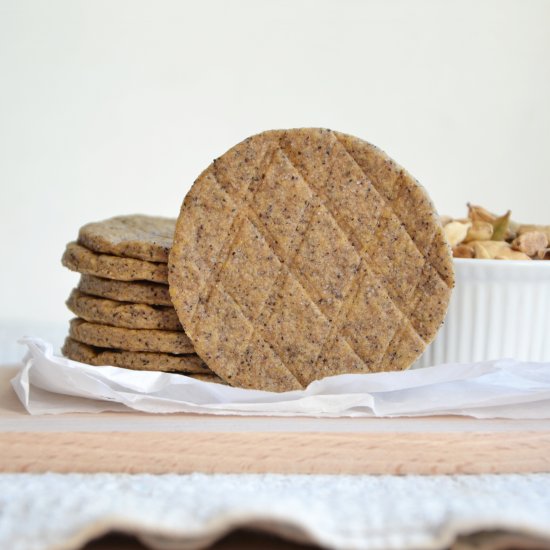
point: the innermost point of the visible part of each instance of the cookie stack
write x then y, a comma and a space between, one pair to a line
124, 313
297, 254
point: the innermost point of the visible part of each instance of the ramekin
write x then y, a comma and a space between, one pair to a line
498, 309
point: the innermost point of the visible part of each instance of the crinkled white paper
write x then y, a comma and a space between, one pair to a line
48, 384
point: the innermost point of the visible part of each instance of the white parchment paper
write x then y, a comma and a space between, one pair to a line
48, 384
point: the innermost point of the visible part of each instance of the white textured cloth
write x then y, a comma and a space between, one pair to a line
39, 512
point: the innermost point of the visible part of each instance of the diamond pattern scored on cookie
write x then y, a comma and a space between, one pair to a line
403, 255
316, 273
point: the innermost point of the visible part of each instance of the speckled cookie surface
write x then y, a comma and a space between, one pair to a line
127, 339
122, 314
139, 292
83, 260
306, 253
135, 360
136, 236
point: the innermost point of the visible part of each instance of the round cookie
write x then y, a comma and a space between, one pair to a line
136, 236
122, 314
127, 339
79, 258
134, 360
306, 253
139, 292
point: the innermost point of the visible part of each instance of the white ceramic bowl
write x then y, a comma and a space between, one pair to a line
498, 309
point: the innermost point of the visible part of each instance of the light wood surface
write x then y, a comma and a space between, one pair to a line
134, 442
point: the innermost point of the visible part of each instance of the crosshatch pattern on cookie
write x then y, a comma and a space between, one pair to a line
339, 267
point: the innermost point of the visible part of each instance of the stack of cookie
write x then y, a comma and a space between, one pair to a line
124, 313
297, 255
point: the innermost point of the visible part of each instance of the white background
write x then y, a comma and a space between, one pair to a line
111, 107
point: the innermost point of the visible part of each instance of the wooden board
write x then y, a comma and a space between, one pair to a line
177, 443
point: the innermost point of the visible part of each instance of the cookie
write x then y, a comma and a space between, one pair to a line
139, 292
122, 314
134, 360
306, 253
136, 236
127, 339
81, 259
